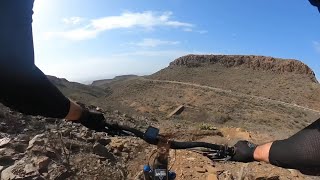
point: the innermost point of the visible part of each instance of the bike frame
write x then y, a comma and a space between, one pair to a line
160, 168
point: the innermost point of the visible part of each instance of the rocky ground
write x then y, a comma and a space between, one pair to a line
34, 147
43, 148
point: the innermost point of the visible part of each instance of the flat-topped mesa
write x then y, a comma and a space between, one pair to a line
263, 63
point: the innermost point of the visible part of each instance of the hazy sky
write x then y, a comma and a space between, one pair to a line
92, 39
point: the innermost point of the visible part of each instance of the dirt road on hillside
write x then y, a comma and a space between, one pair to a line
233, 93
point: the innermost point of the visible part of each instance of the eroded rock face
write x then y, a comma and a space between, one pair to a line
4, 142
254, 62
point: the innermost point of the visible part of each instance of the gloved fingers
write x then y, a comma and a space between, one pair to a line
244, 151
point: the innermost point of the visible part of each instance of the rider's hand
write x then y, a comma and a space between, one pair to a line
244, 151
92, 120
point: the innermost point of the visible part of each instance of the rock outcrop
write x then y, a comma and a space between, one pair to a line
263, 63
61, 149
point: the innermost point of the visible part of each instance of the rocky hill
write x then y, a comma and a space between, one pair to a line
279, 79
260, 63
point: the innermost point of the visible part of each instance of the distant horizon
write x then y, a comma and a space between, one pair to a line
86, 40
112, 76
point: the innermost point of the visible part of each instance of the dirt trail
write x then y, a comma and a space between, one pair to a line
233, 93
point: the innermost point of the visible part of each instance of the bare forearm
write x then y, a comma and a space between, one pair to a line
75, 111
261, 153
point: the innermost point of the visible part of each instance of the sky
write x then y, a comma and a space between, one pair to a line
85, 40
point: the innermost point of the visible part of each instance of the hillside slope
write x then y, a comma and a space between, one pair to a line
286, 80
117, 78
158, 99
79, 92
70, 151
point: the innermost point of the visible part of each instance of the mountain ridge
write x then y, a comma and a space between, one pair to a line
264, 63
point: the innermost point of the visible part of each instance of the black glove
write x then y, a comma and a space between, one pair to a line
92, 120
96, 121
244, 151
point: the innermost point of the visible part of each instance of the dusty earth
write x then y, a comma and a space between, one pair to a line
61, 150
222, 104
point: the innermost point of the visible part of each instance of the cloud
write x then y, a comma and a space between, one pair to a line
75, 34
73, 20
188, 29
171, 54
316, 45
145, 20
154, 43
197, 31
202, 31
93, 68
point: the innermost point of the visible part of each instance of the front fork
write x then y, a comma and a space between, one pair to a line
159, 170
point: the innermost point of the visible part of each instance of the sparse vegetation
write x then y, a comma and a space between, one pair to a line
205, 126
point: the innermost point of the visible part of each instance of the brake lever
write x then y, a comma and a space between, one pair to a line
117, 133
214, 155
113, 130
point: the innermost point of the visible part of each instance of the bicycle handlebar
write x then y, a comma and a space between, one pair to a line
225, 150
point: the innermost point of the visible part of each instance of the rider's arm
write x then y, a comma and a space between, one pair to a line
261, 153
315, 3
23, 86
300, 151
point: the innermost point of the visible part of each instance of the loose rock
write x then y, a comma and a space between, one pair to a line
101, 150
7, 174
37, 140
41, 162
200, 170
104, 141
4, 142
30, 169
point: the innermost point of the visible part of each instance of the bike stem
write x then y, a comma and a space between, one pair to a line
162, 159
160, 166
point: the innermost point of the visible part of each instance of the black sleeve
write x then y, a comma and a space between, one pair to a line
300, 151
315, 3
23, 86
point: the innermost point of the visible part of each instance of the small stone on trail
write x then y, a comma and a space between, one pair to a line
200, 170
